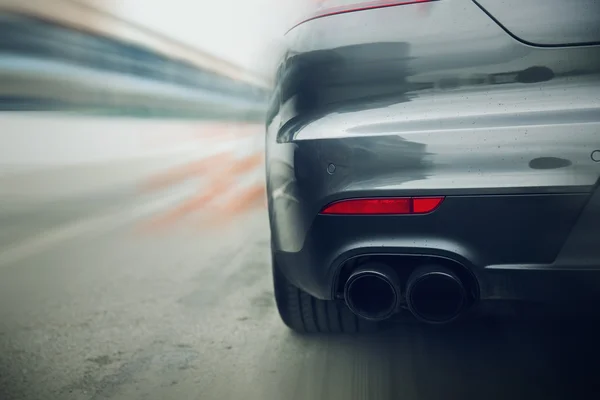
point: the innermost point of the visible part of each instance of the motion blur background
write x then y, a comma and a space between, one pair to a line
133, 235
101, 96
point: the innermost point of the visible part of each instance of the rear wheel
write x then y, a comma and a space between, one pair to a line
304, 313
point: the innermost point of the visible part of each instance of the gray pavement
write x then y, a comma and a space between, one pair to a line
187, 313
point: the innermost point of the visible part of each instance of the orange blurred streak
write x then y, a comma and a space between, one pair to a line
190, 206
220, 182
181, 173
250, 198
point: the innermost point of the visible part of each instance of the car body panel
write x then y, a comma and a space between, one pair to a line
547, 22
431, 99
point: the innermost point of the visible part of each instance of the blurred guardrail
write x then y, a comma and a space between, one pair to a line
48, 66
114, 19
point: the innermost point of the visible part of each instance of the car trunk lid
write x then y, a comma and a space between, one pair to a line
547, 22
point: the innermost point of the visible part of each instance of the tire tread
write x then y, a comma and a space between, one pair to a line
304, 313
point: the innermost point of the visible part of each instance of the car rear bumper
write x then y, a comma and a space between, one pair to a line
528, 247
520, 188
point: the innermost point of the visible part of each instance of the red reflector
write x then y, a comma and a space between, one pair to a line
397, 205
423, 205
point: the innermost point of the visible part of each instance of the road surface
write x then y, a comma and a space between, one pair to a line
112, 311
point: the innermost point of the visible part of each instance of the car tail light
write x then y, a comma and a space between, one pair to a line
381, 206
422, 205
324, 8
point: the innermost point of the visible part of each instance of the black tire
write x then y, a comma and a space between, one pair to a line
304, 313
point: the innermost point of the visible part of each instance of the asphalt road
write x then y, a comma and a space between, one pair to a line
111, 311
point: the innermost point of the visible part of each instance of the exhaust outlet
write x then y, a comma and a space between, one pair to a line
435, 294
373, 292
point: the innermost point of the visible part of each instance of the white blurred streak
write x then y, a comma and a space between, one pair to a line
245, 32
160, 26
48, 157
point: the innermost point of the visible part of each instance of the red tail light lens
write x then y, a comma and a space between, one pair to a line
381, 206
423, 205
324, 8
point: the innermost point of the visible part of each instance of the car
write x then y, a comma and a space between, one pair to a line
427, 160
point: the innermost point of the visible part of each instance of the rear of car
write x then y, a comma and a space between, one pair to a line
432, 157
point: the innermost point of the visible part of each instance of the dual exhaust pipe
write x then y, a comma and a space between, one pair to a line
434, 293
